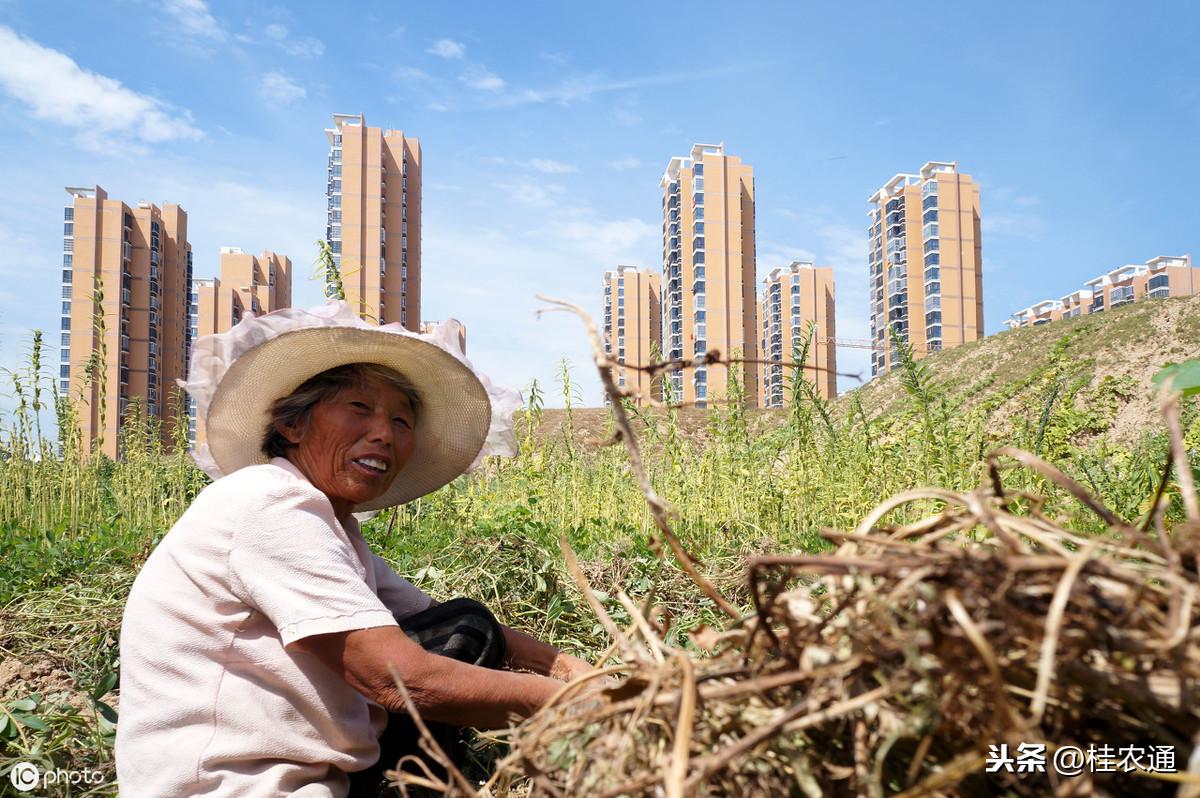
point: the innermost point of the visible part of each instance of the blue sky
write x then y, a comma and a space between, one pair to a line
545, 128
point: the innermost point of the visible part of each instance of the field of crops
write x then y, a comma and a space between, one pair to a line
74, 533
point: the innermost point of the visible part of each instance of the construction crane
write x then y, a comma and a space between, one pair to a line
854, 343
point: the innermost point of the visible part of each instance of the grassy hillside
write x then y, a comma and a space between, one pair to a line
1097, 367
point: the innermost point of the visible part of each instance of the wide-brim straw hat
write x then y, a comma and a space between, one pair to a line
236, 376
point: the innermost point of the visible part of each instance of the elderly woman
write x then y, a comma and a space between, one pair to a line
259, 638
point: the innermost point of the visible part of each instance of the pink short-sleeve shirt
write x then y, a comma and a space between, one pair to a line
212, 701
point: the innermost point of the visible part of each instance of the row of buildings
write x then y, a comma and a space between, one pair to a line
131, 305
926, 284
130, 299
1157, 278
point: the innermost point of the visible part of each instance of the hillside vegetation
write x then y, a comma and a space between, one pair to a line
1098, 366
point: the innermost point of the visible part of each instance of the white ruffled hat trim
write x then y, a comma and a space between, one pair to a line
213, 355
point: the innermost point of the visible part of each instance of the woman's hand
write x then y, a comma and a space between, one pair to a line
529, 653
567, 668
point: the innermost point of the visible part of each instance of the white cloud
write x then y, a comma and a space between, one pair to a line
532, 192
623, 164
549, 167
195, 18
546, 166
302, 47
556, 251
605, 241
1018, 224
584, 87
411, 74
59, 90
626, 118
447, 48
278, 88
440, 108
480, 78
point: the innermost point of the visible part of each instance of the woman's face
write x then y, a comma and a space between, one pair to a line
354, 443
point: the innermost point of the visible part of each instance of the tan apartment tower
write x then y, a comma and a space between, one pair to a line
793, 297
255, 284
708, 271
126, 277
633, 327
374, 218
925, 261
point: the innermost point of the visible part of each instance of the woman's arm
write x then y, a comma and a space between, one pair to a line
442, 689
528, 653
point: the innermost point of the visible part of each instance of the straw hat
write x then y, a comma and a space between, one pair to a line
236, 376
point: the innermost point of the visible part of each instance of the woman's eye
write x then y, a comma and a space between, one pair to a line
359, 405
401, 420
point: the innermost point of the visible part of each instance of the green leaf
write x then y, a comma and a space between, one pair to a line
3, 724
30, 721
1182, 377
105, 686
106, 711
23, 705
107, 727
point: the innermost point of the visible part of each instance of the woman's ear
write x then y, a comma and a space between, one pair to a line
291, 432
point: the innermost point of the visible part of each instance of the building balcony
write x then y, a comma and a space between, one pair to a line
1122, 295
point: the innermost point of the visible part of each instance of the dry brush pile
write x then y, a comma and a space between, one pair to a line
894, 664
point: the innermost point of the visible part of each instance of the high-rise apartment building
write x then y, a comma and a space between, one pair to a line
925, 261
126, 277
374, 218
792, 298
248, 284
708, 270
633, 326
1158, 278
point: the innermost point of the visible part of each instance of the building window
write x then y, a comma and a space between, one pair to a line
66, 308
64, 370
1158, 286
